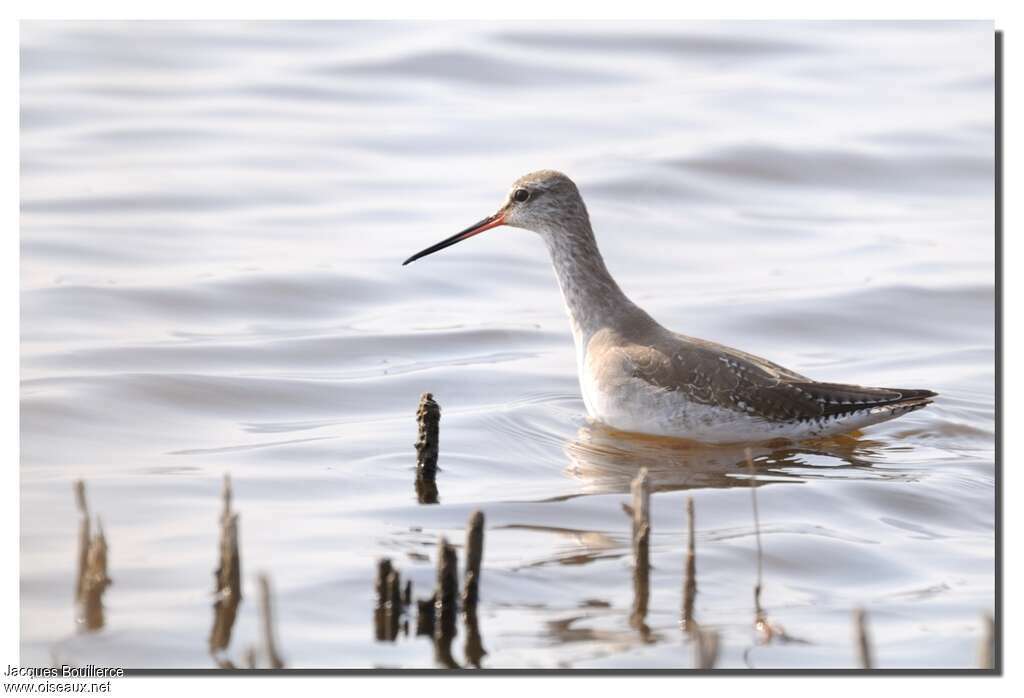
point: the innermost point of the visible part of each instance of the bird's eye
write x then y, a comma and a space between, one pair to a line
521, 195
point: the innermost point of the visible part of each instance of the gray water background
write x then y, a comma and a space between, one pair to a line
213, 217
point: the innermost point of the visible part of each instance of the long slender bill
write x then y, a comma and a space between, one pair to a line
475, 229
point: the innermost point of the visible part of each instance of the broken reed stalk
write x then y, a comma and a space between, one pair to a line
83, 537
428, 418
96, 580
761, 623
863, 639
92, 579
474, 649
266, 614
446, 601
227, 576
640, 489
987, 650
690, 585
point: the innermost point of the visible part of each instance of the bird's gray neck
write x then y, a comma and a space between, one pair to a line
592, 297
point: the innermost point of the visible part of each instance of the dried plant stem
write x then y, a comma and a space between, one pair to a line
759, 616
266, 614
83, 537
96, 580
227, 576
92, 578
640, 490
706, 648
864, 651
690, 585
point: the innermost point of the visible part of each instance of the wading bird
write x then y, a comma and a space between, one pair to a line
638, 376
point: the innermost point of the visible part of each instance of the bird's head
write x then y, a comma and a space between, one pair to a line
546, 202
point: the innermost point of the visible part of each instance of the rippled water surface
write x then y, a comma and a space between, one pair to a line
213, 218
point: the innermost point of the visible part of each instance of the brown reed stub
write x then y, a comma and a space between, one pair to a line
640, 510
266, 615
446, 603
227, 577
864, 651
987, 648
428, 416
83, 537
95, 581
705, 648
91, 579
690, 585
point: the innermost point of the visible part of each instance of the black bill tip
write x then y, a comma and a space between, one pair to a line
475, 229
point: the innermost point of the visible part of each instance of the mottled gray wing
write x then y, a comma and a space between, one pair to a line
712, 374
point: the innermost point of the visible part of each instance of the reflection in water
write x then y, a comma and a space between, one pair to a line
437, 616
446, 599
390, 605
474, 648
584, 546
426, 489
606, 460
